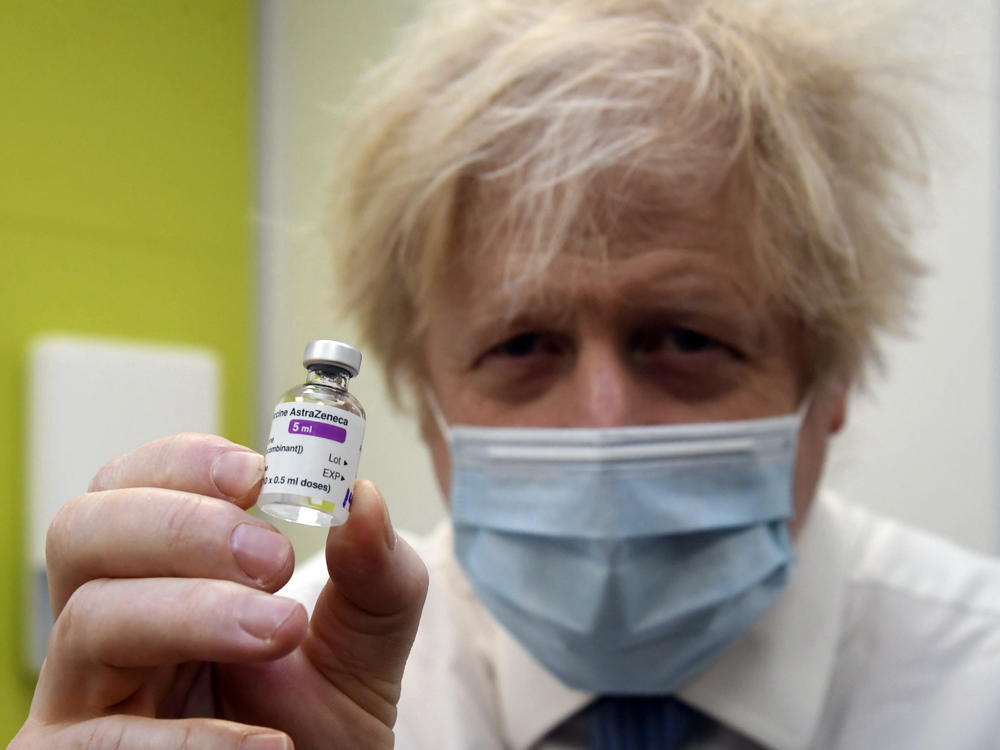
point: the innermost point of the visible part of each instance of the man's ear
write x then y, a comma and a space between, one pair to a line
428, 427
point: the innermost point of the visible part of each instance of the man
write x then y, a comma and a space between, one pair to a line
628, 258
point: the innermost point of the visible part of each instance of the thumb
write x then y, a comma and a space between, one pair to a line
367, 614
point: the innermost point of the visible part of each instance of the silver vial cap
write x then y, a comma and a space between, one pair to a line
336, 353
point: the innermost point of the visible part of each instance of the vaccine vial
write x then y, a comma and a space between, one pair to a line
312, 452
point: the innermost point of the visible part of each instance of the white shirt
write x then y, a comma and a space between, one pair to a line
886, 637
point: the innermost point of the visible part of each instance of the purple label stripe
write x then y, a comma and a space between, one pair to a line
317, 429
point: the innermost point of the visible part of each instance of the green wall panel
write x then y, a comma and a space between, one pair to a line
125, 192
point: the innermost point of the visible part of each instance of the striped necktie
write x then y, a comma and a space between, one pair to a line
642, 723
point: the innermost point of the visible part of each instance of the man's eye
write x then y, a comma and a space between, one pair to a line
527, 352
520, 346
673, 339
686, 340
531, 344
686, 361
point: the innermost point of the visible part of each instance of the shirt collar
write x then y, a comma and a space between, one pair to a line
769, 686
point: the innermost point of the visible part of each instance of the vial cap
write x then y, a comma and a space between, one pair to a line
339, 354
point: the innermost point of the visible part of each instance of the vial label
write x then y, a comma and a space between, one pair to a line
313, 451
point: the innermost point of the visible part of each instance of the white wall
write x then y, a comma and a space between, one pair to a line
922, 447
310, 54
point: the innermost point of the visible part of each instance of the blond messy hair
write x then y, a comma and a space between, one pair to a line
561, 104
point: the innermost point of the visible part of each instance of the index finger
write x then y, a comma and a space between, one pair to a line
202, 464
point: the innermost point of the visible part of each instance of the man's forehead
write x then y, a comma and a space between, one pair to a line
616, 207
640, 279
607, 238
507, 266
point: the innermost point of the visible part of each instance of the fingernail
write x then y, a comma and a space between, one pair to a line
260, 552
390, 532
262, 615
265, 742
235, 473
387, 529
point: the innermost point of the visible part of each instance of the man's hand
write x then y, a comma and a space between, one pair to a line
167, 632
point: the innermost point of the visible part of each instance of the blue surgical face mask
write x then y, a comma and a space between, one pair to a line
625, 559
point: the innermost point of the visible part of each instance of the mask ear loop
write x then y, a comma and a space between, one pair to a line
437, 414
804, 406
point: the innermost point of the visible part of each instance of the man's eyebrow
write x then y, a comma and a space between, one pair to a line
515, 312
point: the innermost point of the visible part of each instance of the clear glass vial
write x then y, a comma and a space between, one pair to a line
312, 452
